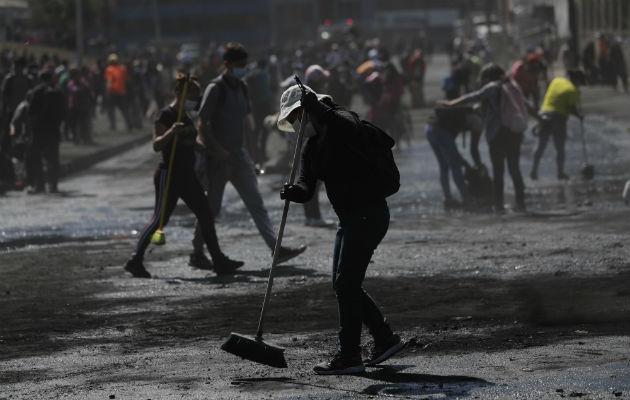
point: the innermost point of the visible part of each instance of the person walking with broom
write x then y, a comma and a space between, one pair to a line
175, 136
331, 155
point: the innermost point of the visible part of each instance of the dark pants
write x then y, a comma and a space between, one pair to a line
506, 147
7, 172
357, 237
183, 185
117, 101
555, 126
80, 123
42, 164
238, 170
443, 144
259, 136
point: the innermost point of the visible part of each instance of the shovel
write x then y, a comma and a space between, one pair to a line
255, 349
588, 170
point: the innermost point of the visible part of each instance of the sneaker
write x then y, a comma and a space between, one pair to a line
562, 176
136, 268
384, 351
200, 261
226, 266
340, 365
287, 253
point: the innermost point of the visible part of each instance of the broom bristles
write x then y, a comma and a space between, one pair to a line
254, 349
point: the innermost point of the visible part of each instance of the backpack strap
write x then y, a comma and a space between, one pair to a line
218, 82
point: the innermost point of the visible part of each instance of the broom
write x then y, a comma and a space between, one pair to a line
588, 170
255, 349
158, 236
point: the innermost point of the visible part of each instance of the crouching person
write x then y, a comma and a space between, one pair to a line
331, 155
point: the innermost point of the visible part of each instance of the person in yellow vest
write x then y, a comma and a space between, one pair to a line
560, 101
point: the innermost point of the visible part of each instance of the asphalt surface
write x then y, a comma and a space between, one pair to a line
524, 305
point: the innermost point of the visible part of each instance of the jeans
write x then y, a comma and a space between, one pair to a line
239, 170
443, 144
506, 147
357, 237
556, 127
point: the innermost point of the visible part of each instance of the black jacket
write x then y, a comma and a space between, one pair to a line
334, 157
47, 109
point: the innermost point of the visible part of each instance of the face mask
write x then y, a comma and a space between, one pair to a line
308, 130
190, 105
296, 126
239, 72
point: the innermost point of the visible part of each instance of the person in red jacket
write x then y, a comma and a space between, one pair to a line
116, 90
525, 73
415, 69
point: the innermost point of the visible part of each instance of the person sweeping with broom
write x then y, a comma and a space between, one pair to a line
175, 136
561, 100
333, 154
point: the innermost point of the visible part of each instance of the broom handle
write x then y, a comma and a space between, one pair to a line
285, 211
583, 142
582, 132
180, 114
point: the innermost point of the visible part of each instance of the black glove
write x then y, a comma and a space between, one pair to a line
308, 100
291, 192
315, 108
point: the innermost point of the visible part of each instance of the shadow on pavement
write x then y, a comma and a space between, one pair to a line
409, 384
245, 276
50, 302
393, 382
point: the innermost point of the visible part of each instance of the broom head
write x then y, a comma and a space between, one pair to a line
254, 349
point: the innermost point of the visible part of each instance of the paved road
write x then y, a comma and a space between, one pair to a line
525, 305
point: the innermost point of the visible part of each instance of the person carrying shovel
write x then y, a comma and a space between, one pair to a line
173, 122
332, 155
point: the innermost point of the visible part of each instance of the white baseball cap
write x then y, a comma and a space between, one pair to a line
289, 101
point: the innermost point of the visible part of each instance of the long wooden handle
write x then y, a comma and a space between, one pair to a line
180, 114
285, 211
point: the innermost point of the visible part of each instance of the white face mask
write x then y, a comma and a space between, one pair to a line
308, 129
239, 72
190, 105
296, 126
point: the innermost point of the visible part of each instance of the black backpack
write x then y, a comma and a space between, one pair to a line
218, 81
376, 150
